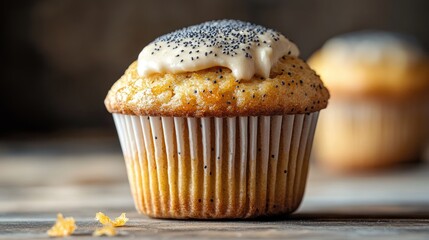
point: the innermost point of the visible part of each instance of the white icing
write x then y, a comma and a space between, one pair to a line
245, 48
373, 48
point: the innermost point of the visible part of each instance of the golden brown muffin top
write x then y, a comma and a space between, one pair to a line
214, 69
292, 87
372, 64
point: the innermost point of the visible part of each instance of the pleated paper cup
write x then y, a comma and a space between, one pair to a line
238, 167
369, 134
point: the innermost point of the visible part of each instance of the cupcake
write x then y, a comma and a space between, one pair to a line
217, 121
379, 84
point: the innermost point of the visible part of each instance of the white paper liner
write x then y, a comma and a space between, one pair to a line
237, 167
369, 134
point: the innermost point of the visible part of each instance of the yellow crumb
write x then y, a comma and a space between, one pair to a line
107, 230
105, 220
63, 227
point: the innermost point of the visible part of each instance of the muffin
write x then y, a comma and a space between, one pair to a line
217, 121
379, 83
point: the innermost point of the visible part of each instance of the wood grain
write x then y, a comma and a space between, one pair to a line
34, 187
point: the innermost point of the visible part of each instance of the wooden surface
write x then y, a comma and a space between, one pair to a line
37, 181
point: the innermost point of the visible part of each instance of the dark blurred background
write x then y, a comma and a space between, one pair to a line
61, 57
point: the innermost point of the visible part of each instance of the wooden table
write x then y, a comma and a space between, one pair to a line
80, 179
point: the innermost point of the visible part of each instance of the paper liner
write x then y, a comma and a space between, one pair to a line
238, 167
363, 135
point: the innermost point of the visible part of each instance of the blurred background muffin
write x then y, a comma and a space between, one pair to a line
378, 113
